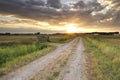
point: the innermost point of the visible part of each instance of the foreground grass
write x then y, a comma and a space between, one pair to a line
16, 51
15, 57
104, 60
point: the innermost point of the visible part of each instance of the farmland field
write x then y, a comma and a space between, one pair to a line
61, 38
103, 56
18, 50
100, 60
17, 38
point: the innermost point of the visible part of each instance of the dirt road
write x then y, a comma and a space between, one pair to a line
73, 71
75, 68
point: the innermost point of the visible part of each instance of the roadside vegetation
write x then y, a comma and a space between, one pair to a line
55, 69
103, 58
19, 50
14, 56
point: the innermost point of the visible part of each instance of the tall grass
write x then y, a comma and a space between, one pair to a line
13, 57
9, 53
105, 59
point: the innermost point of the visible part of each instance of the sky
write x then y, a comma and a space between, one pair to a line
57, 16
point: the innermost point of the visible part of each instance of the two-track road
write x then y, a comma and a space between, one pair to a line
75, 65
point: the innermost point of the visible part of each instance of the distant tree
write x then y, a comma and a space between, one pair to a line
116, 32
7, 33
38, 33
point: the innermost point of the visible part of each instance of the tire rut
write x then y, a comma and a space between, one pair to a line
76, 66
30, 70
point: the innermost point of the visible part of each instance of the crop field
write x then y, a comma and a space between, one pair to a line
61, 38
21, 39
103, 56
112, 40
16, 51
17, 39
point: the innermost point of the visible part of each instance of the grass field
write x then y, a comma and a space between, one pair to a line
12, 57
61, 38
103, 53
103, 57
114, 40
16, 51
27, 39
17, 38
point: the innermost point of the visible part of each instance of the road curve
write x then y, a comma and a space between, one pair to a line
28, 71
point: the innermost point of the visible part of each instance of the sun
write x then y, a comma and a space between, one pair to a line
71, 28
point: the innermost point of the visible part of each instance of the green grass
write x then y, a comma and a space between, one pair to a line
9, 53
16, 51
13, 57
105, 60
56, 74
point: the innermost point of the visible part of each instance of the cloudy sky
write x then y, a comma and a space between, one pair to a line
51, 16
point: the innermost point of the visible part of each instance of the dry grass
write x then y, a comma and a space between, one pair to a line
112, 41
32, 38
103, 59
20, 50
61, 38
17, 38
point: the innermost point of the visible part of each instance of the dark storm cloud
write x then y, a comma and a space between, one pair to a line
53, 11
116, 12
54, 3
34, 9
116, 2
38, 10
95, 6
89, 6
80, 4
112, 16
35, 2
